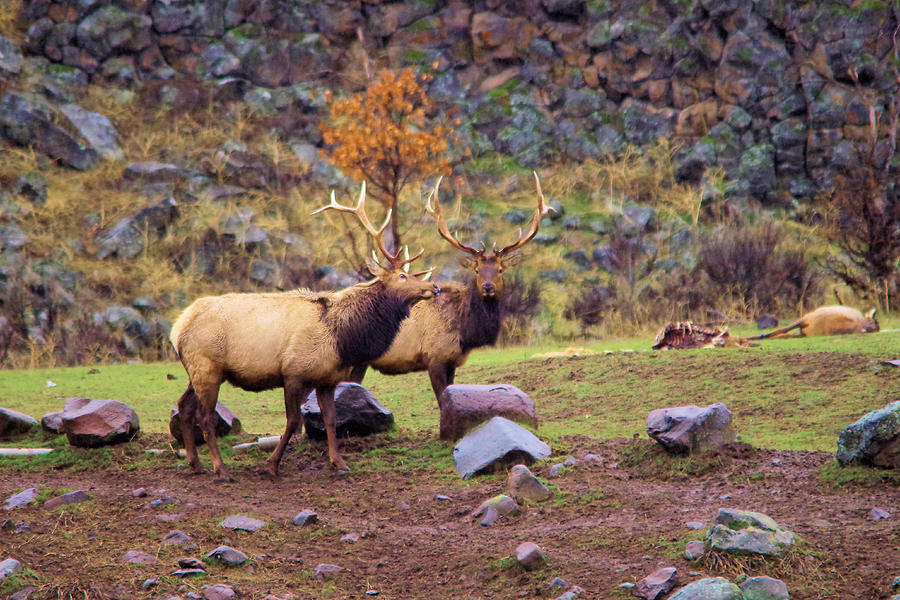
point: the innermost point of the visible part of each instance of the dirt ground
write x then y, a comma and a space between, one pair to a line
608, 524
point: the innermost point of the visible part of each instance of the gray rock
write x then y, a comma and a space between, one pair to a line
140, 558
93, 423
690, 428
358, 413
658, 583
31, 123
8, 567
75, 497
744, 532
226, 424
189, 562
712, 588
189, 573
530, 556
125, 239
33, 187
243, 523
497, 443
466, 406
326, 571
176, 537
764, 588
305, 517
11, 59
694, 550
218, 591
14, 423
96, 129
523, 485
876, 514
23, 498
229, 556
872, 440
494, 508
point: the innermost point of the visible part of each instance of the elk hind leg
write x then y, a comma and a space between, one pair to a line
441, 375
325, 396
207, 395
188, 412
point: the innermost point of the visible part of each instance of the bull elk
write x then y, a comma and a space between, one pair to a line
438, 336
828, 320
299, 340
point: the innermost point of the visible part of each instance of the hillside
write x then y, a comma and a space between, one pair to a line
157, 151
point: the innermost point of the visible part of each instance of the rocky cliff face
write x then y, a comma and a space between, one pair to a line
779, 94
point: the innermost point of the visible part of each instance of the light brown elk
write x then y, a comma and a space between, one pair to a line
828, 320
299, 340
438, 336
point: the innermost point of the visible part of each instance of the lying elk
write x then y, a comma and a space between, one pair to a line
828, 320
439, 335
299, 340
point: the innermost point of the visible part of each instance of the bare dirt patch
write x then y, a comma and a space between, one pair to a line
611, 521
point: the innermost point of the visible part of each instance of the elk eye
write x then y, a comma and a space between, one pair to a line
402, 275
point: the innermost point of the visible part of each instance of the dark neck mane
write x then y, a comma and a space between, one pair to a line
364, 322
479, 320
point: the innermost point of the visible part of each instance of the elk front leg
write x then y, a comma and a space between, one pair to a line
188, 407
441, 375
357, 374
325, 396
295, 393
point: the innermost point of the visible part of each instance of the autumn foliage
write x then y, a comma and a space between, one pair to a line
385, 136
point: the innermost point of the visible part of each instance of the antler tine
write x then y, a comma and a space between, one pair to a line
539, 214
360, 212
435, 213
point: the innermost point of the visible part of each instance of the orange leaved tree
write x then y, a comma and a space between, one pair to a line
385, 136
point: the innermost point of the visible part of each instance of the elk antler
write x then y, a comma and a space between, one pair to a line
541, 211
435, 213
377, 234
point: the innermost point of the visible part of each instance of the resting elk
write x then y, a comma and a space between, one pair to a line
438, 336
299, 340
829, 320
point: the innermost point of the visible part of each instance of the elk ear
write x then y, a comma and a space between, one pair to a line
511, 260
870, 314
467, 262
376, 269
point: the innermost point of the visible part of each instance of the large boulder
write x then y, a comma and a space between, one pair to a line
14, 423
465, 406
358, 413
93, 423
226, 424
748, 533
497, 444
873, 440
690, 428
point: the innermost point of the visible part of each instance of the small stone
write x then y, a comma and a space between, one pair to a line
694, 550
493, 509
530, 556
229, 556
8, 567
189, 573
556, 470
695, 524
305, 517
64, 499
243, 523
350, 537
23, 498
523, 485
150, 583
218, 591
327, 571
189, 562
657, 584
140, 558
877, 514
764, 588
442, 498
139, 493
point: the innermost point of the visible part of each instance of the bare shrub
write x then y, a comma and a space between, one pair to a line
519, 303
747, 266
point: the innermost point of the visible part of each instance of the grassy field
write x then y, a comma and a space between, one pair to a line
790, 394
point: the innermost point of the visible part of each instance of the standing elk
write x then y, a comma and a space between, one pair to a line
299, 340
438, 336
828, 320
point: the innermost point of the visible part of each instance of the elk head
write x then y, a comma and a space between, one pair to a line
395, 275
488, 268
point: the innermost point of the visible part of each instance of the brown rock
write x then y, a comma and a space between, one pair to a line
656, 584
465, 406
92, 423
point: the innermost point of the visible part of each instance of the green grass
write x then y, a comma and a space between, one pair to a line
784, 394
